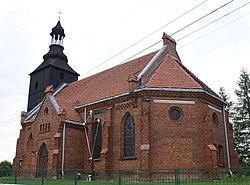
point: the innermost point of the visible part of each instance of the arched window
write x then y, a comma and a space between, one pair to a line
128, 137
215, 119
46, 111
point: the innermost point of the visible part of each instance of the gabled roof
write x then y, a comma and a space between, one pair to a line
173, 74
108, 83
159, 69
165, 71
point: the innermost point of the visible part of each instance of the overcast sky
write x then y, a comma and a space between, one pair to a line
97, 30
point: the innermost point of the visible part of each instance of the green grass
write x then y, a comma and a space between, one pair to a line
232, 181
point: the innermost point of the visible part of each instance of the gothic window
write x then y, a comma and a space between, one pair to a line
215, 119
128, 137
175, 114
97, 139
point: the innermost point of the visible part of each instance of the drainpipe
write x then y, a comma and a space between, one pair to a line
226, 140
63, 150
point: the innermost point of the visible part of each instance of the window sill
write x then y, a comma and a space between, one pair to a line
221, 165
97, 160
127, 158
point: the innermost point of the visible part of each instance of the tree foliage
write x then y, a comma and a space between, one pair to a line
226, 97
5, 168
241, 118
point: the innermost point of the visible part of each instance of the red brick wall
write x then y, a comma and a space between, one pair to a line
172, 144
76, 152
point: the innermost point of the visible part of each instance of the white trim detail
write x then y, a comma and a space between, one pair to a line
186, 102
215, 109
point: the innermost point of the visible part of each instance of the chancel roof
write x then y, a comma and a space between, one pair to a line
167, 71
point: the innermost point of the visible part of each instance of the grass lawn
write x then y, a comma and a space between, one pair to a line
232, 181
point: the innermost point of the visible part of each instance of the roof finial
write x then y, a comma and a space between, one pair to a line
59, 12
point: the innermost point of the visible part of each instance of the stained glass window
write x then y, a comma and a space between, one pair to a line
129, 137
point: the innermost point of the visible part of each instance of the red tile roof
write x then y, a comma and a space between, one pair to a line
168, 74
171, 74
105, 84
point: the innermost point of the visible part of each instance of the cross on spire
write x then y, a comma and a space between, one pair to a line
59, 13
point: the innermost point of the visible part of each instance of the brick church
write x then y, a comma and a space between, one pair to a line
150, 112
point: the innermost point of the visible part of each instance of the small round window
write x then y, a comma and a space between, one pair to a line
215, 119
175, 114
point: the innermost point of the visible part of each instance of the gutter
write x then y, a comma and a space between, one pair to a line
151, 89
180, 90
100, 101
63, 150
226, 141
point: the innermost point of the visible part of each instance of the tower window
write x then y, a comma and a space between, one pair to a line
36, 85
61, 75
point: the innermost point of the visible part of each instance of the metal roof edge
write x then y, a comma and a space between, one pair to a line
151, 89
102, 100
60, 87
152, 61
33, 111
73, 122
180, 90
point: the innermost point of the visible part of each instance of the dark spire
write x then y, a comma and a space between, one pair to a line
54, 70
57, 34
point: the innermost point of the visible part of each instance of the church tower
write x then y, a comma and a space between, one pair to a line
54, 70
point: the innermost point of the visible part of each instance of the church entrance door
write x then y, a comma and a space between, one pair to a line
42, 162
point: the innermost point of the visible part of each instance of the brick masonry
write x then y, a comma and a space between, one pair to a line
192, 141
159, 141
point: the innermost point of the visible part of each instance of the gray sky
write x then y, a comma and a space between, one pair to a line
96, 30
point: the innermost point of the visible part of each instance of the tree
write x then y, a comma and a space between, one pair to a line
226, 97
241, 118
5, 168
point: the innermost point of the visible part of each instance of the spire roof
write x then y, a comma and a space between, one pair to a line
55, 57
58, 30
